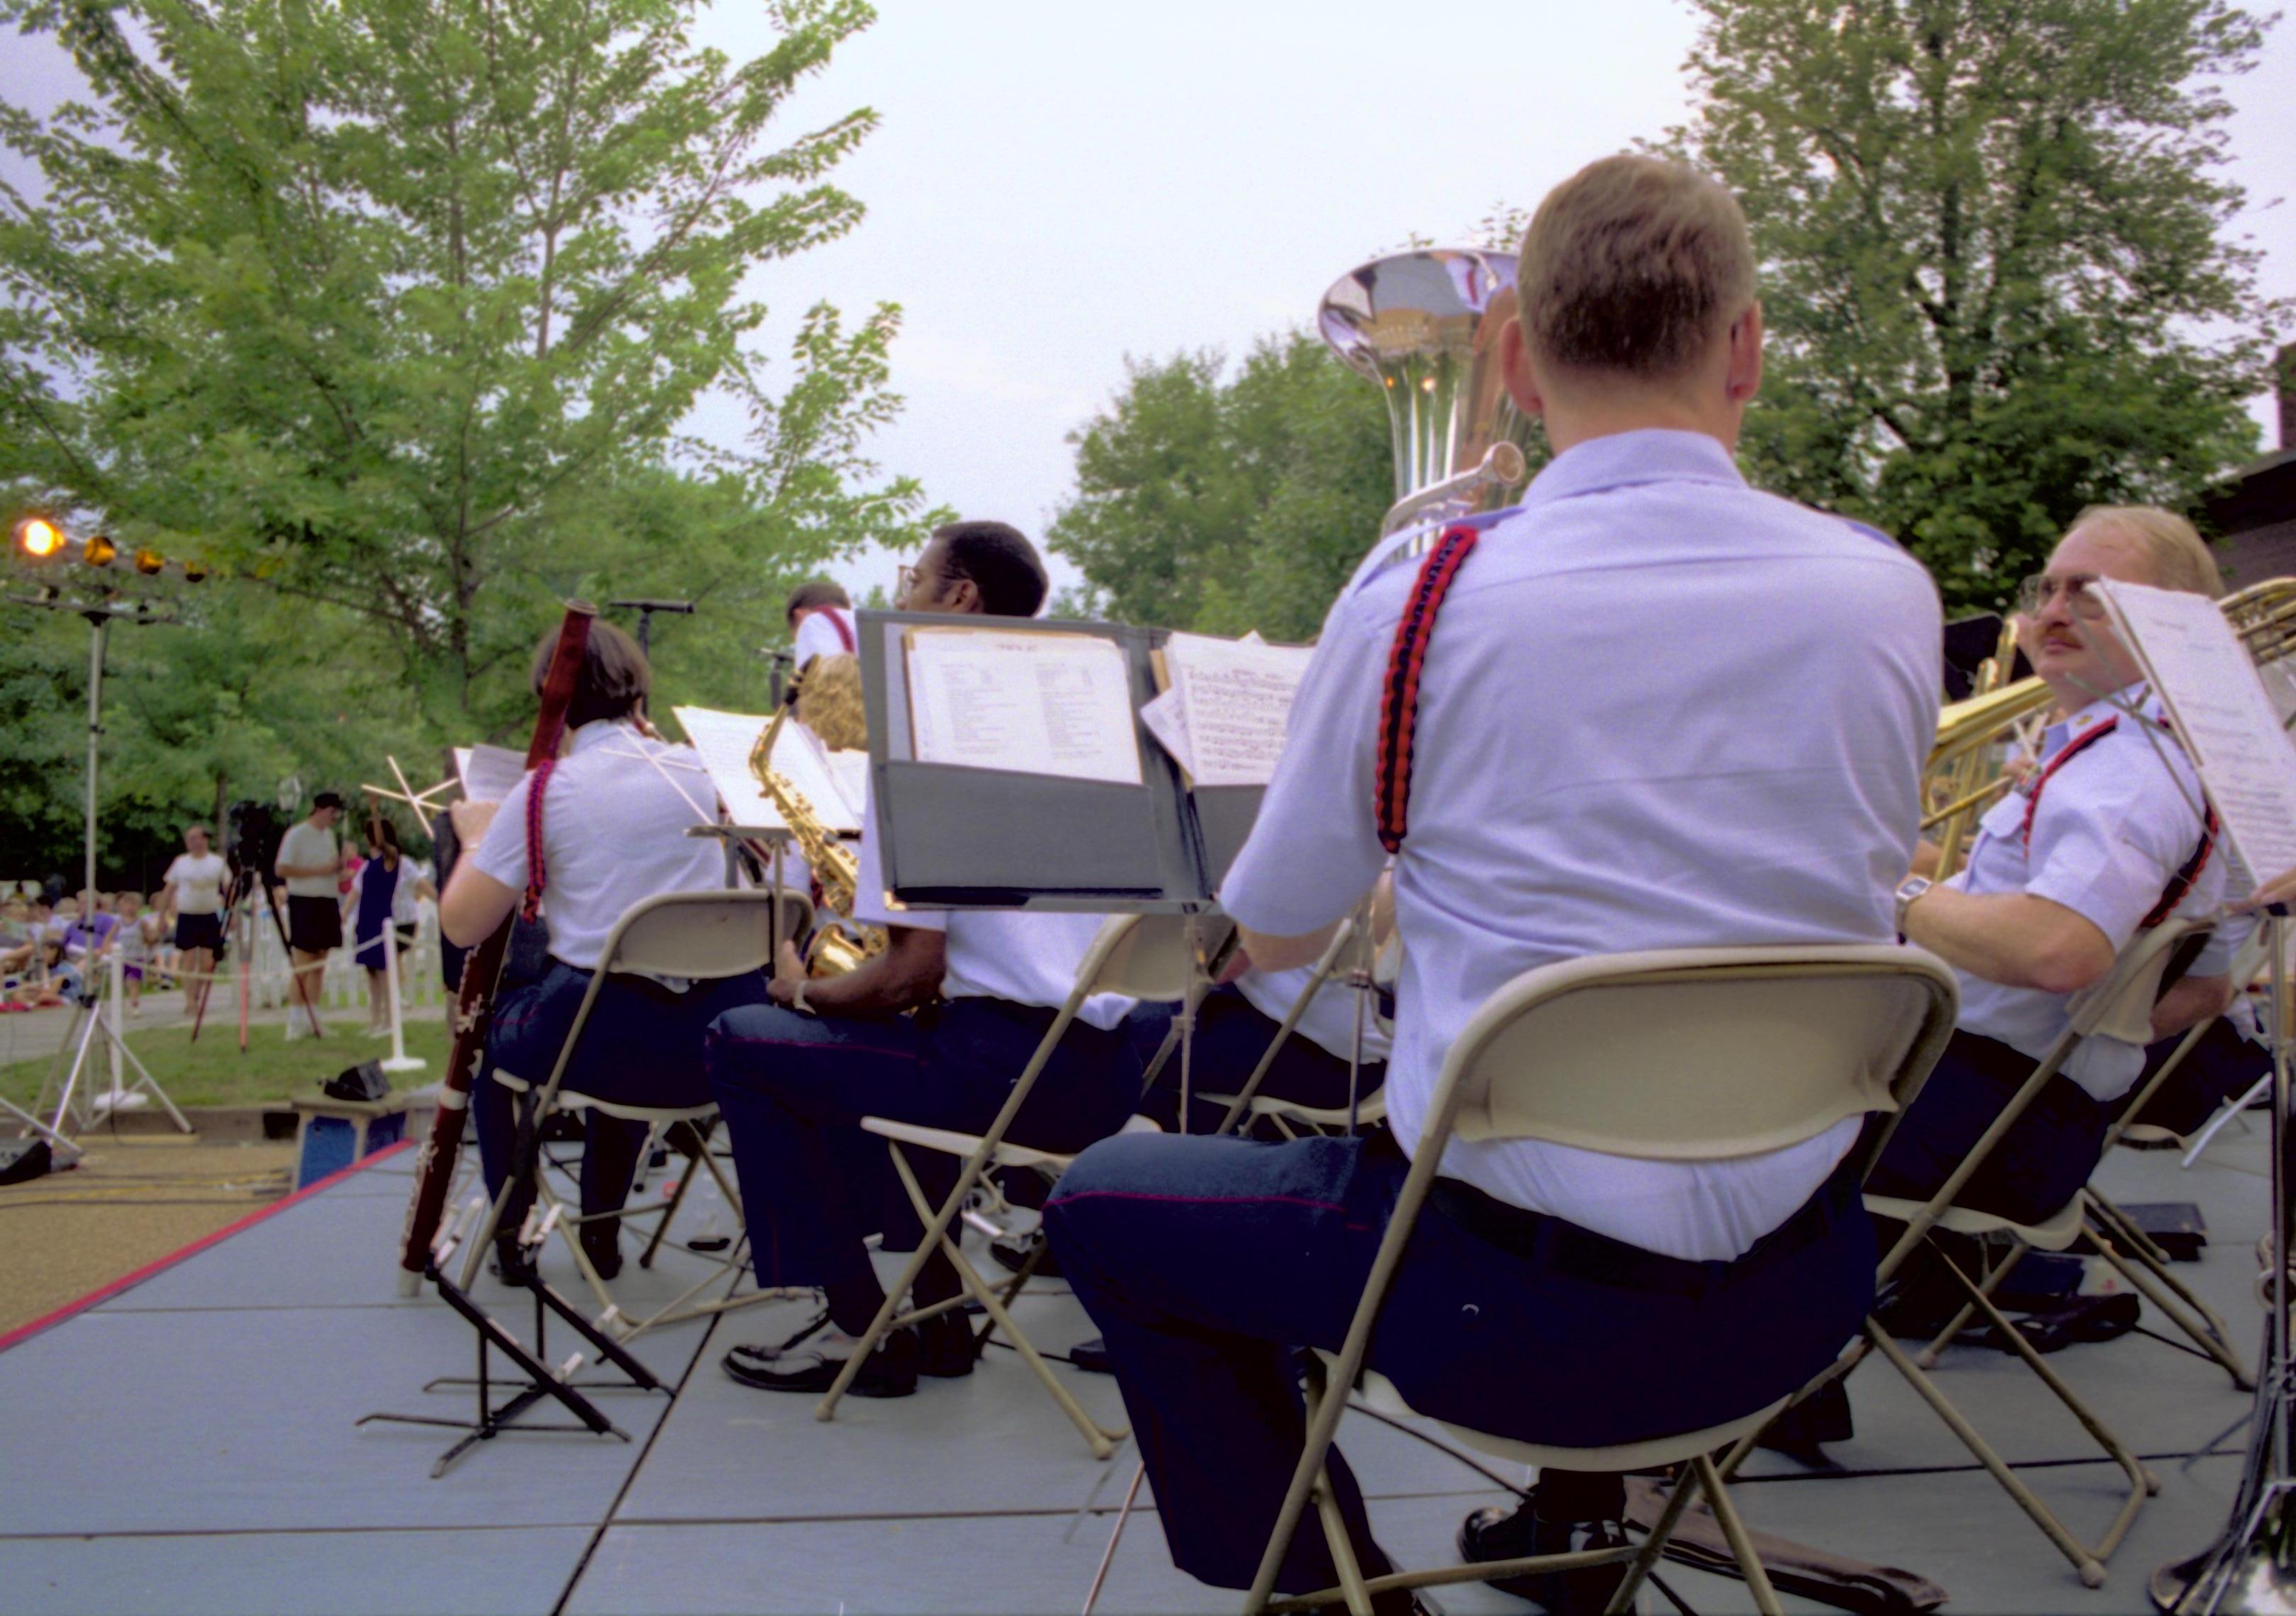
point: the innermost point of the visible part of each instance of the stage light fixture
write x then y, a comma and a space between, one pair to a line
150, 562
99, 550
39, 538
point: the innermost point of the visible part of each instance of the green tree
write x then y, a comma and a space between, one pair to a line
395, 307
1998, 264
1229, 505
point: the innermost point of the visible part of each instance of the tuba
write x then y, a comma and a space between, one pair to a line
839, 944
1425, 326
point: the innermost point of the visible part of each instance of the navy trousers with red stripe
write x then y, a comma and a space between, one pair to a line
793, 1089
1206, 1262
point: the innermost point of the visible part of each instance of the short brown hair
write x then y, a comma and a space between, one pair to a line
614, 678
1633, 266
820, 592
2180, 556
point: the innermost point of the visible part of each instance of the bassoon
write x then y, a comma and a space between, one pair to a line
434, 1169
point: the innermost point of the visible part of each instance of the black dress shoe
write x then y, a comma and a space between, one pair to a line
1495, 1532
1091, 1357
800, 1364
947, 1347
511, 1264
604, 1251
1012, 1254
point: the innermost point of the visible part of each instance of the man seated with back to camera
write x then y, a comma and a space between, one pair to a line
1600, 767
794, 1079
617, 804
2104, 837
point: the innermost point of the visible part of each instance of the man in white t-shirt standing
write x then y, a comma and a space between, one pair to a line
195, 885
309, 862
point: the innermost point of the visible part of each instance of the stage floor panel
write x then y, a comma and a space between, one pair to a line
201, 1455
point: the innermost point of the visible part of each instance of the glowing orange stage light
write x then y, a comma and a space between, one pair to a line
149, 562
39, 538
99, 550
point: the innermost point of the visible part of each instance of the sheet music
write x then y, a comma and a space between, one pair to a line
1167, 719
1235, 698
1057, 704
2231, 731
488, 772
725, 740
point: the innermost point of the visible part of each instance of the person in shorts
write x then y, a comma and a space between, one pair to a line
309, 862
193, 901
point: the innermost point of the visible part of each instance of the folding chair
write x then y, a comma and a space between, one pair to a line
705, 936
1671, 1054
2138, 1256
2124, 994
1286, 1114
1143, 956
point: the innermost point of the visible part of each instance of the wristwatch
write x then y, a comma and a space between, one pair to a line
1912, 888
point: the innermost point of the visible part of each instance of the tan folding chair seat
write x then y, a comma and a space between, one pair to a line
1670, 1054
703, 936
1142, 956
1288, 1116
2128, 990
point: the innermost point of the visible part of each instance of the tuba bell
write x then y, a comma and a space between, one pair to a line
1425, 325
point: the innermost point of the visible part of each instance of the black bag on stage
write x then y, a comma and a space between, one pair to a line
364, 1081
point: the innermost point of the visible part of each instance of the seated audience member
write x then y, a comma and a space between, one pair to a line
2101, 840
795, 1079
611, 830
1646, 800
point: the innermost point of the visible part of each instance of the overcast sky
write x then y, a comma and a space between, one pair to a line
1057, 185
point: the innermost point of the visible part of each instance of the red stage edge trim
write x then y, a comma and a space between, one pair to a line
103, 1293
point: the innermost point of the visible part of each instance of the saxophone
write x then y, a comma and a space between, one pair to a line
839, 944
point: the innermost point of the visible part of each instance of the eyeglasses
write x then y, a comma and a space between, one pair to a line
904, 578
2035, 594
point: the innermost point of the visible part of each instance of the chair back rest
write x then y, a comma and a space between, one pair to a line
704, 935
1692, 1053
1147, 957
2119, 1004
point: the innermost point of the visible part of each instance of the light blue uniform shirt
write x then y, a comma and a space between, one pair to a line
2115, 823
1660, 709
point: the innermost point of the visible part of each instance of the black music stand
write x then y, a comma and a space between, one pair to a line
534, 1380
946, 832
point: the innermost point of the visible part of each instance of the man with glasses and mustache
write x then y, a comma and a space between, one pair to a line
2104, 837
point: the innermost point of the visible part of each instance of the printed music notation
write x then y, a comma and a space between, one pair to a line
1032, 703
1231, 703
2230, 728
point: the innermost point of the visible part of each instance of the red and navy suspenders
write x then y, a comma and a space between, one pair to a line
531, 907
1398, 707
2181, 883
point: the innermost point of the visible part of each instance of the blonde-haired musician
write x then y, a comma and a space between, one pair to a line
1657, 709
2104, 837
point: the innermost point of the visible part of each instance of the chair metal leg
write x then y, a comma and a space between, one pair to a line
1653, 1547
1758, 1580
2086, 1564
2178, 1305
1100, 1439
1927, 1358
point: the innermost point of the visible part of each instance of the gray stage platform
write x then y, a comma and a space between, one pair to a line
189, 1446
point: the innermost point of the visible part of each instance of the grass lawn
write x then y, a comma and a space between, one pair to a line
214, 1072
